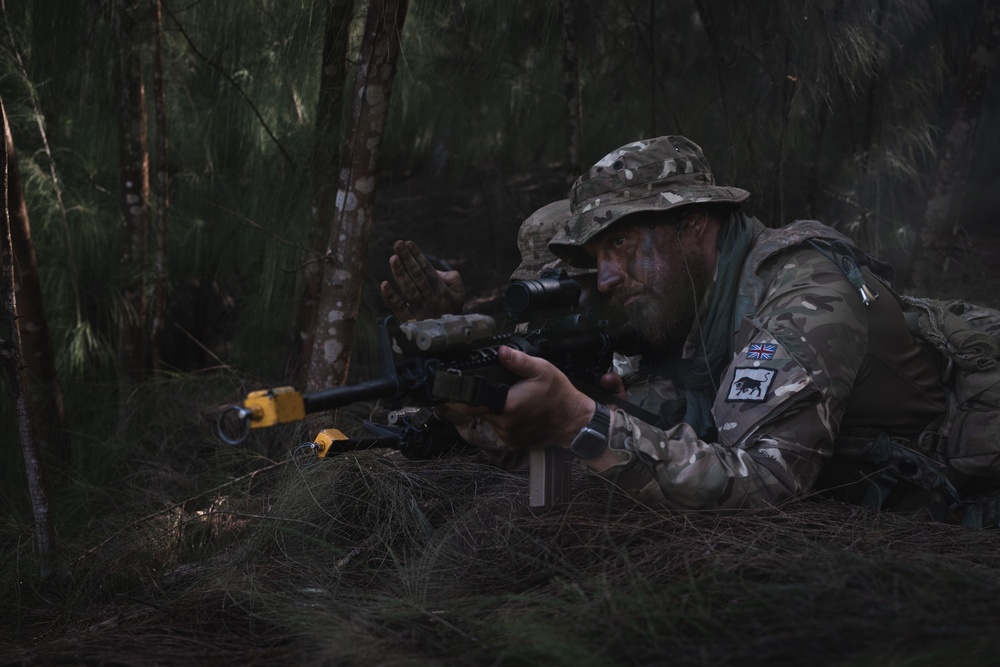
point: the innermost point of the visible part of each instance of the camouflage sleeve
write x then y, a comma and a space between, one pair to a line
777, 409
644, 389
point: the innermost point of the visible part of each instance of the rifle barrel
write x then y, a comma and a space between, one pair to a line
338, 397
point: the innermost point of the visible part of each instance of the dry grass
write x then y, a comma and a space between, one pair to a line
370, 559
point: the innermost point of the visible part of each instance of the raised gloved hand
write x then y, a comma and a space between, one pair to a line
421, 291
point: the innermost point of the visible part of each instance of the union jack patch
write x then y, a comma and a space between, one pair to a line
761, 351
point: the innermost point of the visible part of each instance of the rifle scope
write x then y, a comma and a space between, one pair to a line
542, 294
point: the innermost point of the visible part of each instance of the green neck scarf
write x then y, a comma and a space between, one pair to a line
700, 375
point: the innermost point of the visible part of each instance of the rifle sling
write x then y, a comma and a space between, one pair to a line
469, 389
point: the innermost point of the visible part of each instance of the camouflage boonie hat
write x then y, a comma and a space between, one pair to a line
533, 238
650, 174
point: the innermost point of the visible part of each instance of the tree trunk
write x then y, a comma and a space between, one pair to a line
956, 152
574, 101
13, 362
340, 294
329, 107
868, 234
43, 390
134, 187
162, 200
653, 74
787, 85
717, 49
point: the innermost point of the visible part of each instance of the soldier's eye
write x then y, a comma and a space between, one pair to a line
618, 241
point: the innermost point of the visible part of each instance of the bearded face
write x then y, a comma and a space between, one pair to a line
655, 272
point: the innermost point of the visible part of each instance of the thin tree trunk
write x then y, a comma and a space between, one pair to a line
872, 121
787, 85
653, 74
351, 226
813, 190
718, 50
871, 135
162, 199
13, 362
333, 74
44, 393
574, 99
134, 187
93, 12
956, 152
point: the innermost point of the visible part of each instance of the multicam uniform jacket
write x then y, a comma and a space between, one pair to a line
644, 388
803, 344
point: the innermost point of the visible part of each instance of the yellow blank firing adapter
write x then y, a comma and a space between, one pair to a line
310, 452
325, 439
274, 406
263, 408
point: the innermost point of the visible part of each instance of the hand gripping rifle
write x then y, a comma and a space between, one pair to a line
454, 359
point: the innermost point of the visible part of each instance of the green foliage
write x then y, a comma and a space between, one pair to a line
479, 85
820, 109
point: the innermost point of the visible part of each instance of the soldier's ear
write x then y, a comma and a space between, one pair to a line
695, 218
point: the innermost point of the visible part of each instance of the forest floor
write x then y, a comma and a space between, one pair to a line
192, 554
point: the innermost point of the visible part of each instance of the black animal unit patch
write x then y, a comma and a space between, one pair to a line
751, 384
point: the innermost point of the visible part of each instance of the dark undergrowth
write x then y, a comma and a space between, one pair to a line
190, 552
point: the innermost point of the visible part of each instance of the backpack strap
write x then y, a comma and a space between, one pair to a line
897, 461
851, 261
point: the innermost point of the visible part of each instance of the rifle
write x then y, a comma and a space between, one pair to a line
414, 435
454, 359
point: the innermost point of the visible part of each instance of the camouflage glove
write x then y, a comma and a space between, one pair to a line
421, 291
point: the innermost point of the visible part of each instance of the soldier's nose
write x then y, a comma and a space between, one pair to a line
609, 274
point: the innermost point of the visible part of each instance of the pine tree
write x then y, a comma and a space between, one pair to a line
352, 221
133, 190
12, 359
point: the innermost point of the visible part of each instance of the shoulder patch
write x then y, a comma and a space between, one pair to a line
751, 384
761, 350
